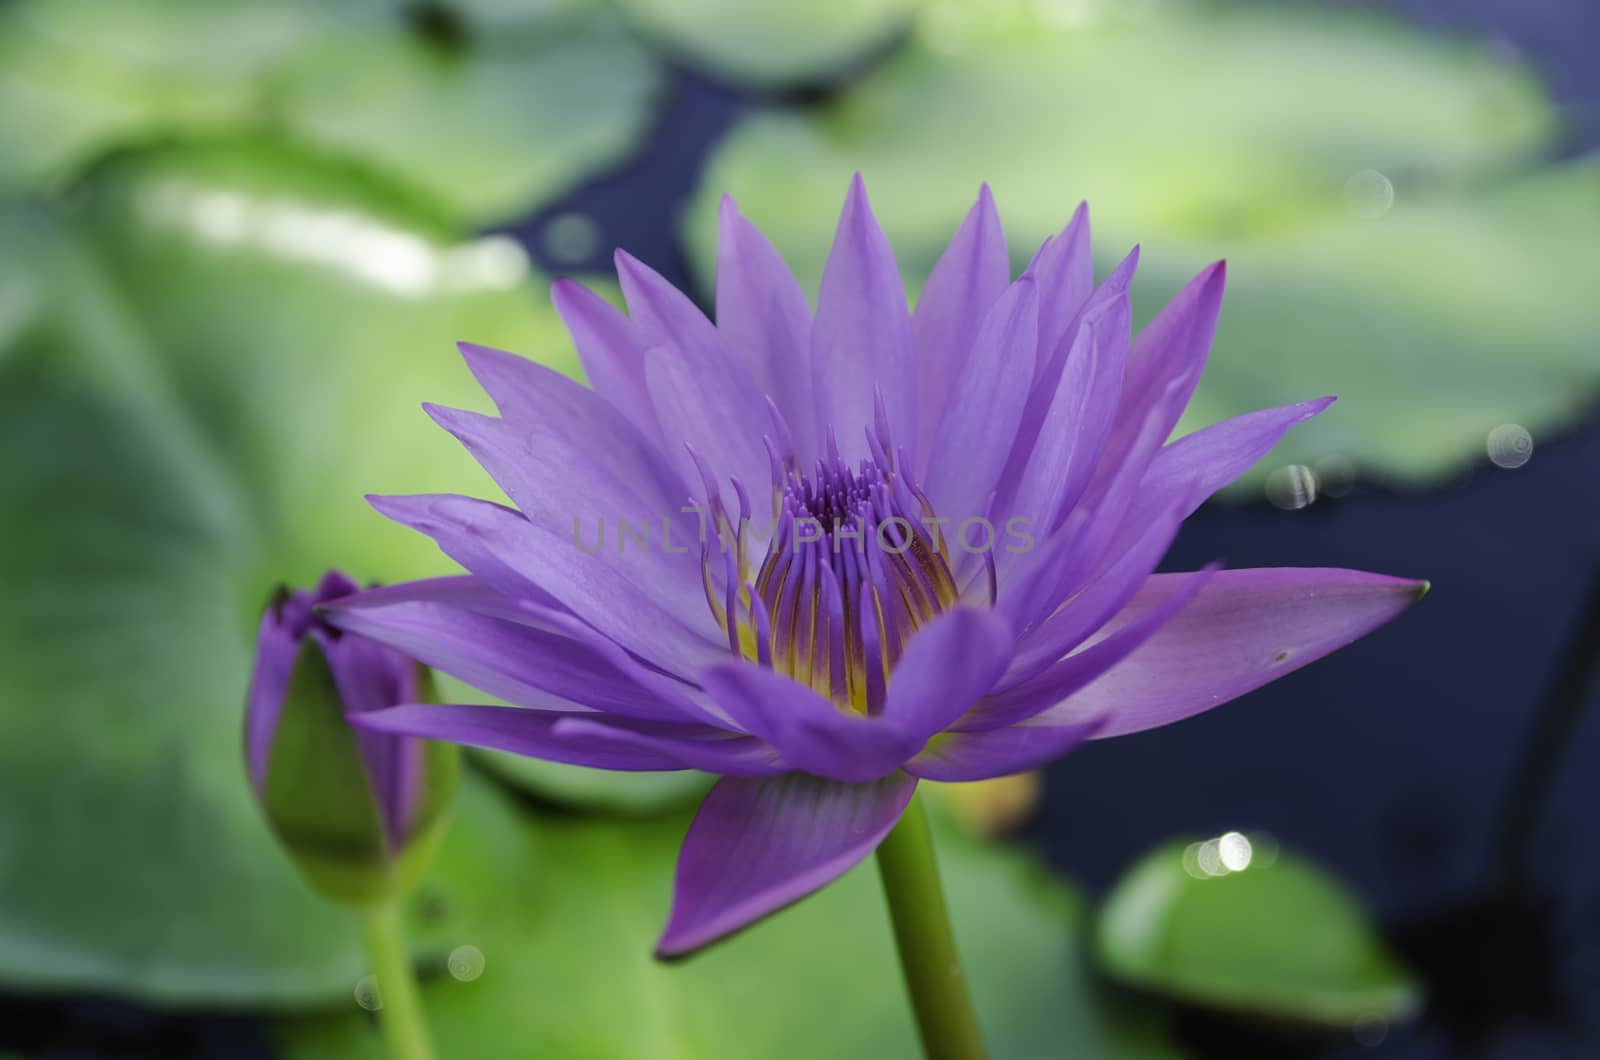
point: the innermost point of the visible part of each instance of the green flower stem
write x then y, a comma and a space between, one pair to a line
938, 987
405, 1031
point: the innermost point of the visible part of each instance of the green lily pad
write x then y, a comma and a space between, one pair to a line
563, 913
1434, 324
79, 76
1219, 924
490, 16
1362, 180
515, 115
771, 42
512, 120
223, 347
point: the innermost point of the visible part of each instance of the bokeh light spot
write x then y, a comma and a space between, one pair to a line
366, 993
465, 963
1233, 850
1368, 194
1370, 1031
1292, 486
571, 238
1510, 445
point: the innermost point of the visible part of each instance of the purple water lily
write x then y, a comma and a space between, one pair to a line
827, 554
349, 803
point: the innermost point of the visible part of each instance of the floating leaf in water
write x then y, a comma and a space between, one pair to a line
774, 42
511, 115
220, 350
1359, 178
1217, 923
507, 121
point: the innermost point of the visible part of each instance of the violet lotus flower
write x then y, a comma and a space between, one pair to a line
829, 554
357, 808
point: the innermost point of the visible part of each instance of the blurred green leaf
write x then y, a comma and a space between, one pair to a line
225, 349
1276, 937
514, 114
79, 76
1179, 121
509, 121
1271, 136
774, 42
1434, 324
564, 913
490, 16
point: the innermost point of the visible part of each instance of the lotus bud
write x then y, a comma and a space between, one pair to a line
359, 811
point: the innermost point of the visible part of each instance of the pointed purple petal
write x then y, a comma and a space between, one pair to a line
602, 524
1101, 515
1024, 701
1065, 273
970, 276
947, 666
556, 415
964, 756
610, 350
276, 649
1074, 424
810, 732
1089, 609
1096, 386
759, 845
702, 392
861, 340
546, 734
1088, 544
1201, 463
1244, 629
974, 436
545, 616
1029, 579
713, 751
513, 659
1164, 365
466, 591
573, 486
724, 422
522, 560
762, 312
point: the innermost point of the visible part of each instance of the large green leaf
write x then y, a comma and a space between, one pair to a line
774, 42
564, 913
1218, 924
1435, 324
514, 114
77, 76
215, 353
1271, 136
509, 121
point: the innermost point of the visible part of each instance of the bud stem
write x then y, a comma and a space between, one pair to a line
928, 957
405, 1031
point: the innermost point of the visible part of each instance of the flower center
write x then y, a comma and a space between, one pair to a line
855, 563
